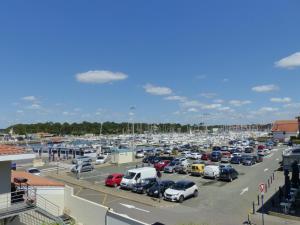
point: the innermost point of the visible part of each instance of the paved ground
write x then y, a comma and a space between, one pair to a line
219, 203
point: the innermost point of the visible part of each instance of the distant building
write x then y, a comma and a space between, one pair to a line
284, 129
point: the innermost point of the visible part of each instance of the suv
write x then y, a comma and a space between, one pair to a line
228, 174
158, 189
82, 159
248, 160
181, 190
84, 167
144, 185
216, 156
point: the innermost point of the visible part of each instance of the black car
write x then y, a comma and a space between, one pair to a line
249, 150
216, 148
151, 159
228, 174
248, 160
215, 156
158, 189
236, 160
142, 187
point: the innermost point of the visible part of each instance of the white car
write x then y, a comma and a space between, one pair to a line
186, 154
180, 191
195, 155
211, 171
34, 171
139, 154
236, 154
101, 159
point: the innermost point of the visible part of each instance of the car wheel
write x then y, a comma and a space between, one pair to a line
144, 191
230, 179
195, 194
115, 185
160, 195
181, 198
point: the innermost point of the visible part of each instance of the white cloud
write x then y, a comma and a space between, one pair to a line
289, 62
208, 95
267, 109
20, 111
191, 103
175, 98
239, 102
211, 106
292, 105
218, 101
100, 77
29, 98
192, 110
226, 109
281, 100
34, 106
225, 80
157, 90
265, 88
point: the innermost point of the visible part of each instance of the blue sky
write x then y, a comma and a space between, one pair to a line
174, 61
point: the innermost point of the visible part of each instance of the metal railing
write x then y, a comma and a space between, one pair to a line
47, 206
18, 201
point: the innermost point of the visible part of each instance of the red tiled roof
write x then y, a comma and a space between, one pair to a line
285, 126
34, 180
11, 150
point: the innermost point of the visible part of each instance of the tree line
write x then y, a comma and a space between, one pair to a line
118, 128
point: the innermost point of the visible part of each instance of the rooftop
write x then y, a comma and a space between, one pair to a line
36, 181
285, 126
11, 150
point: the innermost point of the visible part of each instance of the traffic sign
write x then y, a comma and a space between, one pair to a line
262, 188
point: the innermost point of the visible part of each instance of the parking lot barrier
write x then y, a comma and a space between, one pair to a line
273, 176
266, 188
271, 179
268, 183
253, 207
257, 199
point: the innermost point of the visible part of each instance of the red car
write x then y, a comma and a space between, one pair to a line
261, 147
161, 165
114, 179
205, 156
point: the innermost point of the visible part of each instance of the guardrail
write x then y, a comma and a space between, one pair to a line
18, 201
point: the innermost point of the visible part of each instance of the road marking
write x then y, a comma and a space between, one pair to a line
104, 200
244, 191
133, 207
80, 189
269, 156
275, 150
265, 170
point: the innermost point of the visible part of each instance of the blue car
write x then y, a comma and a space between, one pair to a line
216, 156
236, 160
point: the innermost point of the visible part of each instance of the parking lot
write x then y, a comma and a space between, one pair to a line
214, 195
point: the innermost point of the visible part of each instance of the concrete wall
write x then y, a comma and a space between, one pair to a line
82, 210
122, 157
54, 195
5, 176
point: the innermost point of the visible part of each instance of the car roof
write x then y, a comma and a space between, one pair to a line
185, 182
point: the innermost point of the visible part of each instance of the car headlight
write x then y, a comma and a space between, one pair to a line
156, 192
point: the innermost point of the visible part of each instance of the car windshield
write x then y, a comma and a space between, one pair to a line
129, 175
178, 186
100, 157
110, 177
172, 164
34, 171
247, 158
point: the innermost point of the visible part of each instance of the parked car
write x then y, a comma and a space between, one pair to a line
236, 160
216, 156
143, 185
224, 148
228, 174
261, 147
34, 171
82, 159
151, 159
248, 160
249, 150
181, 190
225, 159
134, 176
184, 168
101, 159
114, 179
195, 155
197, 169
186, 154
139, 154
168, 151
211, 171
205, 156
84, 167
216, 148
161, 165
238, 154
159, 188
170, 168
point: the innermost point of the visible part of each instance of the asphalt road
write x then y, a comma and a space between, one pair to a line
218, 203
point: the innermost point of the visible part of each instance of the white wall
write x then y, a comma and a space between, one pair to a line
82, 210
54, 195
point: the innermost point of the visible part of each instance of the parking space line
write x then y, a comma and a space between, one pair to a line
77, 192
104, 199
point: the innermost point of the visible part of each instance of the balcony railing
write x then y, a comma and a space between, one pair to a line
13, 203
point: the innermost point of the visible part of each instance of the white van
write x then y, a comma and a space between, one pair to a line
211, 171
134, 176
